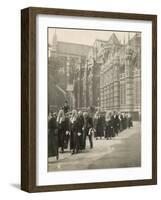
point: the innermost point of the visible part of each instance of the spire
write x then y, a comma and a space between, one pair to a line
113, 39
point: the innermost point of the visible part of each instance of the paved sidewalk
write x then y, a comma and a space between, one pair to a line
121, 151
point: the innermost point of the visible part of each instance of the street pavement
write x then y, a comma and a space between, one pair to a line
122, 151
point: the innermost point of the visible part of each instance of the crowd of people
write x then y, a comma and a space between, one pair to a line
70, 129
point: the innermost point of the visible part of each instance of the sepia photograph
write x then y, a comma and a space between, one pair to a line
94, 99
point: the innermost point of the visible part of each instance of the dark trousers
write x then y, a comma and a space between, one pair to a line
115, 128
61, 140
75, 142
78, 143
108, 132
89, 137
120, 126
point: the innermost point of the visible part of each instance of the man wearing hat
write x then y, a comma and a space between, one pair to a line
66, 107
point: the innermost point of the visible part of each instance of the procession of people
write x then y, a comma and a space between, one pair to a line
69, 130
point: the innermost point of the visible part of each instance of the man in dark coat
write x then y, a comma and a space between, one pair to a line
88, 129
80, 136
61, 129
116, 123
73, 131
66, 107
66, 130
129, 120
121, 122
108, 126
53, 137
99, 124
124, 121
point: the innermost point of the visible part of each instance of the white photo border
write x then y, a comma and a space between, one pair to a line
43, 177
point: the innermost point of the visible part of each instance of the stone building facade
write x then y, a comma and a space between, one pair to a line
120, 76
106, 75
66, 63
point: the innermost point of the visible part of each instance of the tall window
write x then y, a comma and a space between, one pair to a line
122, 94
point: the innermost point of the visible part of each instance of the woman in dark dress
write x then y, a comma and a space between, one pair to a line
61, 129
99, 125
53, 137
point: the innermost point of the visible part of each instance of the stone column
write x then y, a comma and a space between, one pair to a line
68, 80
90, 87
129, 80
116, 84
85, 85
101, 90
108, 98
137, 91
68, 70
79, 83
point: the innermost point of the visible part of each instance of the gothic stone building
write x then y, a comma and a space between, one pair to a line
65, 65
106, 75
120, 75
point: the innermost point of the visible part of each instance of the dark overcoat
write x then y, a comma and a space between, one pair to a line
116, 124
61, 134
73, 131
88, 124
52, 137
109, 129
99, 126
66, 132
79, 129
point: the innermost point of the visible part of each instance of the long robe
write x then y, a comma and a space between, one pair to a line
99, 126
121, 123
66, 132
116, 124
73, 131
61, 134
108, 129
52, 138
79, 138
88, 124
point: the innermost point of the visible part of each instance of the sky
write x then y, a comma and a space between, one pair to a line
85, 36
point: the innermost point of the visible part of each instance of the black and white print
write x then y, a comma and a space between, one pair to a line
94, 99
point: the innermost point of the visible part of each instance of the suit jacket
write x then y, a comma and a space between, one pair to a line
79, 123
52, 124
115, 121
88, 122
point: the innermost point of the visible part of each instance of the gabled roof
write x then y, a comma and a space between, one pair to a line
113, 40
